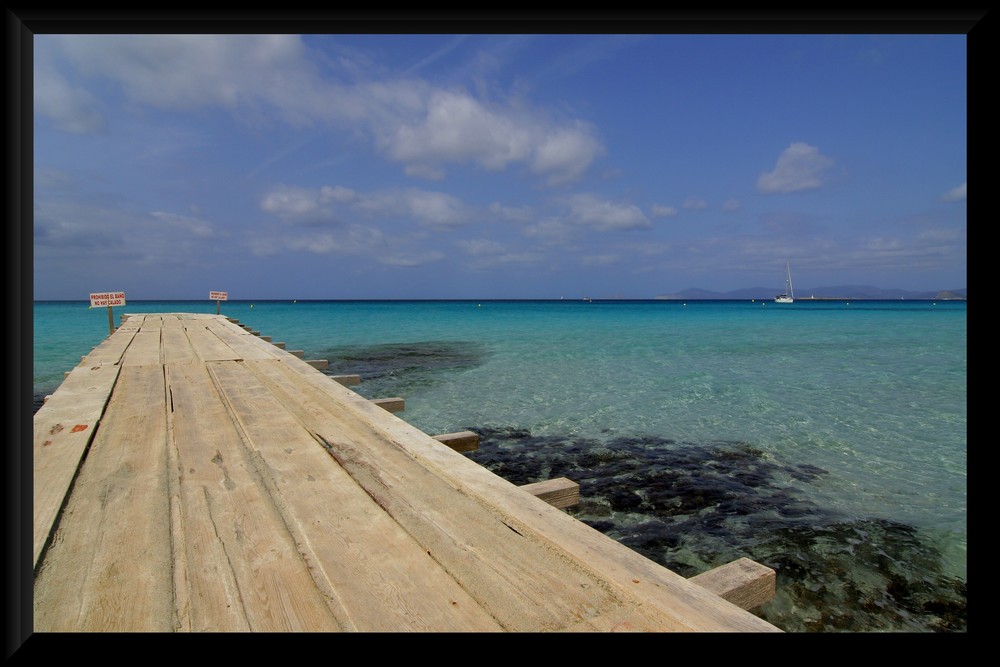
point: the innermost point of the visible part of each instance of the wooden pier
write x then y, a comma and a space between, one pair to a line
190, 476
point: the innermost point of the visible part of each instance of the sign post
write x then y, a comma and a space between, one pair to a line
108, 299
218, 298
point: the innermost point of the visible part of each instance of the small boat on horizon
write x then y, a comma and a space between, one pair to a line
788, 296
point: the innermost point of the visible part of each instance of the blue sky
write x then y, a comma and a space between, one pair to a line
496, 166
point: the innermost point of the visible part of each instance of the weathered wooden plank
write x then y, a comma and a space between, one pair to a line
319, 364
522, 582
460, 441
347, 380
238, 566
175, 348
111, 349
64, 427
627, 618
744, 582
208, 345
104, 570
242, 343
558, 492
372, 566
145, 347
677, 603
152, 321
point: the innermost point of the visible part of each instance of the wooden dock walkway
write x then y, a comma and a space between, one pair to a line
190, 476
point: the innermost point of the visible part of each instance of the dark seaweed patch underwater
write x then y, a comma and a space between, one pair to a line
692, 507
395, 368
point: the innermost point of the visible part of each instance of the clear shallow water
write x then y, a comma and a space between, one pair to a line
824, 439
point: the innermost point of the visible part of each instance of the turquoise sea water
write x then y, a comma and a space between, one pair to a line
825, 439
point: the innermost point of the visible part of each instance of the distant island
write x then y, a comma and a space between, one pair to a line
856, 292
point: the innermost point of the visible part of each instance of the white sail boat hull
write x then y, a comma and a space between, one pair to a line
789, 295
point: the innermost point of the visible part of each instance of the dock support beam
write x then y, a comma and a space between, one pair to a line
559, 492
745, 583
394, 404
462, 441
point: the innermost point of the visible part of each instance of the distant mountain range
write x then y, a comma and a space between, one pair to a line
838, 292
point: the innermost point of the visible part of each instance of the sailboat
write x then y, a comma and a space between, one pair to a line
788, 296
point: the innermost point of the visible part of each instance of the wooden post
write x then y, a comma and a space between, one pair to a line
744, 582
559, 492
219, 297
108, 299
393, 404
462, 441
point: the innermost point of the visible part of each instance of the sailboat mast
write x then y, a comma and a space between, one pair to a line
788, 278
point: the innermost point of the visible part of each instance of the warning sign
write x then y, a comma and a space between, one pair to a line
107, 299
218, 296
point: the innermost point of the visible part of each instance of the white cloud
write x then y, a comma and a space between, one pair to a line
71, 109
411, 260
486, 253
306, 206
334, 204
603, 215
515, 213
458, 128
695, 204
935, 236
799, 167
338, 193
435, 210
194, 226
660, 211
356, 239
264, 78
565, 153
480, 247
883, 245
425, 172
549, 229
194, 71
955, 194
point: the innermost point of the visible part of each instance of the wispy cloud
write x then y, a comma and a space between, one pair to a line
661, 211
603, 215
263, 79
799, 167
955, 194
